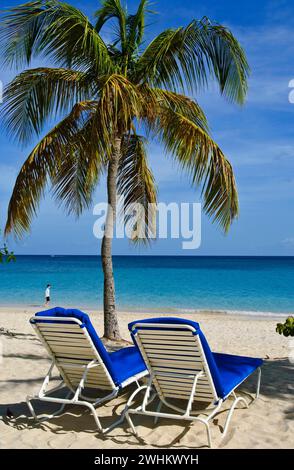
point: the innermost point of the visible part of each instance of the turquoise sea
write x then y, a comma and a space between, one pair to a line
248, 284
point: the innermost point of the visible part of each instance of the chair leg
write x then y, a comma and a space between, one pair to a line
205, 421
31, 408
258, 383
131, 424
44, 417
158, 411
117, 422
208, 434
93, 413
124, 412
236, 401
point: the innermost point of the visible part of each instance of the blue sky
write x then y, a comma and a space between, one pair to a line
257, 138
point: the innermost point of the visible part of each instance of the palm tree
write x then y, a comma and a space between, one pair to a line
106, 93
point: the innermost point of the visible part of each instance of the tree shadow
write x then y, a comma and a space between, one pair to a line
7, 384
31, 357
15, 335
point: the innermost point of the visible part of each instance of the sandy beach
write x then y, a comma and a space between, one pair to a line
268, 423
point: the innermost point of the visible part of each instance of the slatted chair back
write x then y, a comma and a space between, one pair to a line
174, 356
71, 348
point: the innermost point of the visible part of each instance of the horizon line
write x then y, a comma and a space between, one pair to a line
160, 256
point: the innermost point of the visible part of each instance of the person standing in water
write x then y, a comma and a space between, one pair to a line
47, 294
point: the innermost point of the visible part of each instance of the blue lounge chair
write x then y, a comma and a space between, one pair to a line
182, 366
83, 362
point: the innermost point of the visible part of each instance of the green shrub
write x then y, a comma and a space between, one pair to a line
287, 328
5, 254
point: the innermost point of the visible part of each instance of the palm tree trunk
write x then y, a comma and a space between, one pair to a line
111, 328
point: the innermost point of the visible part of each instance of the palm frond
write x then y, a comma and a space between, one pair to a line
41, 165
159, 65
225, 57
188, 57
113, 9
120, 103
81, 166
135, 27
156, 100
77, 175
20, 31
37, 94
200, 156
53, 29
137, 185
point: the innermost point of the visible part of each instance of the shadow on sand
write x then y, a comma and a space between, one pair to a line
277, 383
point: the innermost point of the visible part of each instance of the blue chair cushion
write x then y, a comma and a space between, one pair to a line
224, 378
127, 362
167, 320
234, 369
116, 370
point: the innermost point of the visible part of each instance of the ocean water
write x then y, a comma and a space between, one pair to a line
245, 284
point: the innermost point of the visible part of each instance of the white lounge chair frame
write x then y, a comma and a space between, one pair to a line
80, 367
189, 379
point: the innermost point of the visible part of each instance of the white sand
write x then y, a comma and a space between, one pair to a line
268, 423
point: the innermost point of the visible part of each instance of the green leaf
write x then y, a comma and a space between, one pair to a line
136, 184
188, 57
55, 29
36, 95
287, 328
182, 130
43, 163
113, 9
